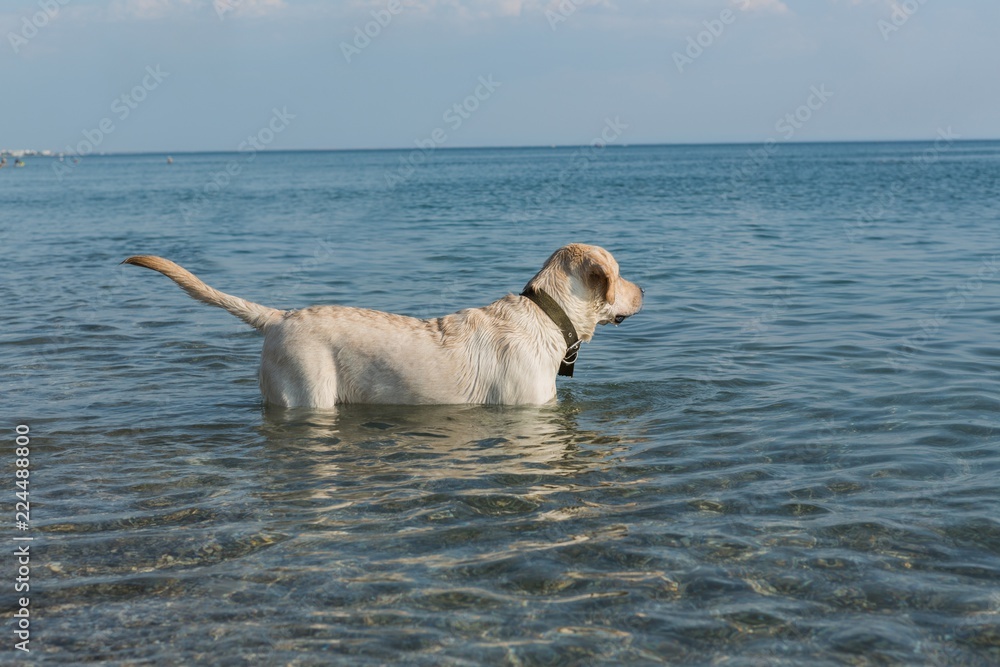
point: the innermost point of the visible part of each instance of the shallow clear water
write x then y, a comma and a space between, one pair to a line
790, 456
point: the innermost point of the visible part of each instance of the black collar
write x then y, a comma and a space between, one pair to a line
561, 319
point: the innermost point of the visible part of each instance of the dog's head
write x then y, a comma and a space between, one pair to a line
584, 280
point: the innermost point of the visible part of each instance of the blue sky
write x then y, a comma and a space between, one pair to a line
558, 71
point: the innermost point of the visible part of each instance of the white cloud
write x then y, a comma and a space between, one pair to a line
775, 6
475, 9
484, 9
147, 9
510, 7
160, 9
249, 7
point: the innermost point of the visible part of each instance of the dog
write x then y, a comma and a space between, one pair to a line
506, 353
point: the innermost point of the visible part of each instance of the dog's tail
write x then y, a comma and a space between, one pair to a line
254, 314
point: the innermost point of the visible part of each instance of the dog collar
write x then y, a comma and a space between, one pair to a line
566, 328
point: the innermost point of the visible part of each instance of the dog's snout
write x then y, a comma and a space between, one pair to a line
642, 291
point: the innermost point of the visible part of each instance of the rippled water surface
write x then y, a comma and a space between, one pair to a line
790, 456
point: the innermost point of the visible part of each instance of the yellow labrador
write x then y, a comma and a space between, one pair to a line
506, 353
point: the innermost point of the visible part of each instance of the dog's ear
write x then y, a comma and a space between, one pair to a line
599, 273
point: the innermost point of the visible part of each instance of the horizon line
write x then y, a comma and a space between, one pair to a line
56, 154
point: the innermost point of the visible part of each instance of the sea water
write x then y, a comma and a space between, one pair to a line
790, 456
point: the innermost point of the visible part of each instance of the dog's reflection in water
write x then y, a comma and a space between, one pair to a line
373, 447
